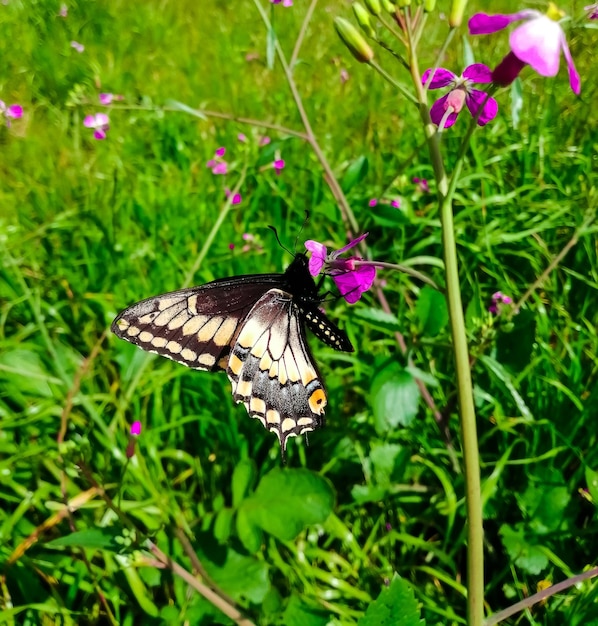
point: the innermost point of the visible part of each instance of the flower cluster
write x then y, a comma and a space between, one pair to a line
10, 112
352, 276
499, 299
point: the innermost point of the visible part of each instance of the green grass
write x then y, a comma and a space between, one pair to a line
88, 227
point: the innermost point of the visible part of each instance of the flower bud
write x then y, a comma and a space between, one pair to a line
403, 3
507, 70
388, 6
363, 19
456, 14
373, 6
354, 40
429, 5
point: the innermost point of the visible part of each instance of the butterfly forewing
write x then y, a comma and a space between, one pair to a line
272, 371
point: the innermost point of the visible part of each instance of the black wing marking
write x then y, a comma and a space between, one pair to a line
272, 371
196, 327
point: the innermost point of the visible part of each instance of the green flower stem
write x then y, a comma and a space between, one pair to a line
469, 438
392, 81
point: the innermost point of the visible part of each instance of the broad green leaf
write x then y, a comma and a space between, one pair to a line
431, 311
223, 524
395, 398
529, 557
385, 459
592, 481
250, 534
368, 493
514, 346
299, 614
286, 501
395, 606
243, 478
545, 501
355, 173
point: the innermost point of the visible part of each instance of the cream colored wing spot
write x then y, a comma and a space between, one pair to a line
272, 416
174, 346
243, 388
225, 332
266, 362
159, 342
291, 367
122, 324
148, 318
192, 305
178, 320
261, 347
166, 316
250, 333
188, 355
305, 421
223, 362
287, 425
194, 324
307, 375
206, 359
273, 373
282, 373
207, 331
132, 331
145, 337
257, 405
166, 303
235, 364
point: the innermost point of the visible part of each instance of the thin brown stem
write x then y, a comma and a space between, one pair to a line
301, 36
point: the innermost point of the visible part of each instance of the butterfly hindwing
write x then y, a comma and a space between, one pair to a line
272, 371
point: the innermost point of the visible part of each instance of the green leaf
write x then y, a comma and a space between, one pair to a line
395, 606
514, 346
288, 500
545, 501
431, 311
592, 481
355, 173
299, 614
243, 478
368, 493
379, 319
395, 398
385, 459
25, 373
110, 539
527, 556
248, 531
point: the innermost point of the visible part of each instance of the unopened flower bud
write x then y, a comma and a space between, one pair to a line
429, 5
388, 6
363, 19
373, 6
354, 40
507, 70
456, 14
403, 3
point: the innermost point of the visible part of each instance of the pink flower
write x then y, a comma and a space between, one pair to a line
373, 202
218, 165
285, 3
134, 432
592, 10
236, 199
344, 75
264, 141
445, 110
135, 429
396, 204
422, 183
278, 166
64, 11
351, 280
538, 42
100, 123
498, 300
109, 98
79, 47
13, 111
241, 137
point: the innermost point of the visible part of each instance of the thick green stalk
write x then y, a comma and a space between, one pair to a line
469, 438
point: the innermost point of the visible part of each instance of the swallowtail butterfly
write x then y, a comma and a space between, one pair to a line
252, 327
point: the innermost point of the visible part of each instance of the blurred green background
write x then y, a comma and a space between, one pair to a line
88, 227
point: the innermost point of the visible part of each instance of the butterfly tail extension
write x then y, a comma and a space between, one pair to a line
271, 369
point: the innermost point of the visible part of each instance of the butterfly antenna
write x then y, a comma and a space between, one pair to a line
273, 229
307, 215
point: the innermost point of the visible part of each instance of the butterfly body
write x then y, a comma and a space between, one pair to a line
253, 327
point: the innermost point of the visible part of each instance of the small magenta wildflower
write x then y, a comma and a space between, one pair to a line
218, 165
12, 111
248, 237
236, 199
285, 3
231, 246
100, 123
278, 166
64, 11
396, 204
422, 183
445, 110
79, 47
134, 432
373, 202
241, 137
592, 10
344, 76
351, 279
136, 428
538, 42
498, 300
264, 141
109, 98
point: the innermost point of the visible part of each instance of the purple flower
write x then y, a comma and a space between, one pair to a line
13, 111
285, 3
538, 42
79, 47
445, 110
109, 98
396, 204
264, 141
135, 429
373, 202
592, 10
218, 165
498, 300
134, 432
241, 137
278, 165
99, 122
351, 279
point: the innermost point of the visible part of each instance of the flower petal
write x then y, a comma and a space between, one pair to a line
574, 79
478, 73
538, 43
318, 256
484, 24
350, 245
442, 78
475, 100
353, 284
15, 111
